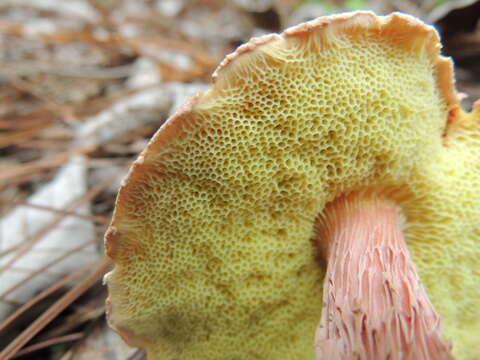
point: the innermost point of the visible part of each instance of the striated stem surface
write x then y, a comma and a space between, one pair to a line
374, 304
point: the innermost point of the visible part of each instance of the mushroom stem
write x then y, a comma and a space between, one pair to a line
374, 306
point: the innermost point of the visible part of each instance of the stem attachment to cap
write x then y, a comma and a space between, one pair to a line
374, 306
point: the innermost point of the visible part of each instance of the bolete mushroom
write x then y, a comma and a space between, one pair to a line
327, 167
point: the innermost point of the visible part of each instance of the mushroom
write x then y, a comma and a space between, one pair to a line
329, 172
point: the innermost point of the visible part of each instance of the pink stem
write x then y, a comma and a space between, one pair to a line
374, 304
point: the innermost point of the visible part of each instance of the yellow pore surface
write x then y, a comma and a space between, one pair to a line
212, 233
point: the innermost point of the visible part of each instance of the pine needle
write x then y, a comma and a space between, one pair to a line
73, 294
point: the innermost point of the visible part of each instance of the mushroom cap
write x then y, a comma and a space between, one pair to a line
211, 234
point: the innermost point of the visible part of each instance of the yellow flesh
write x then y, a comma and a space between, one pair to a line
212, 245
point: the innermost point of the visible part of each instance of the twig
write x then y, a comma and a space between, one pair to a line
37, 237
16, 137
49, 342
54, 310
64, 111
29, 67
50, 290
96, 219
43, 164
43, 268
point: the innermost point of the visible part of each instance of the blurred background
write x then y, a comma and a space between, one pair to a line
83, 85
